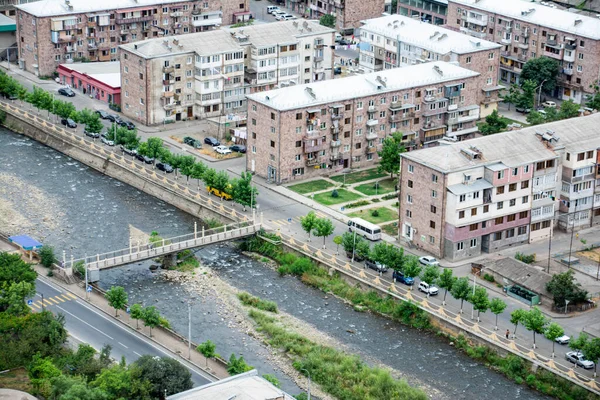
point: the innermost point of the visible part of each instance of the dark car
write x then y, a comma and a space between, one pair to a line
190, 141
146, 159
212, 141
112, 117
164, 167
131, 152
337, 70
68, 122
11, 96
128, 125
399, 277
118, 120
524, 110
94, 135
238, 147
102, 114
66, 92
344, 42
377, 266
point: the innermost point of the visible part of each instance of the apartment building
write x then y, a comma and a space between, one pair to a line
7, 7
318, 129
347, 13
463, 199
53, 32
431, 11
528, 30
397, 41
209, 74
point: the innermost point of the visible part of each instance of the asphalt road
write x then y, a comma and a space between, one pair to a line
88, 325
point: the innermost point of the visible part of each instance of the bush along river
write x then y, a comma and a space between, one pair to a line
70, 206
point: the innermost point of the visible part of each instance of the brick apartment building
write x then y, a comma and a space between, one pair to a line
347, 13
464, 199
528, 30
397, 41
432, 11
209, 74
52, 32
318, 129
7, 7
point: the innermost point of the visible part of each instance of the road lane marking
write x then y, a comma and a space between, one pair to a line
71, 296
91, 326
38, 304
123, 345
59, 298
65, 297
52, 300
136, 353
46, 302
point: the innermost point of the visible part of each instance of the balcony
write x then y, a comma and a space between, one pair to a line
475, 19
371, 150
311, 133
104, 57
337, 116
556, 54
169, 81
317, 59
436, 111
70, 49
401, 116
568, 71
372, 122
168, 94
524, 46
429, 99
525, 32
336, 143
169, 105
506, 40
371, 108
177, 14
569, 56
310, 162
129, 20
551, 42
474, 33
66, 39
310, 146
571, 46
371, 135
168, 70
336, 156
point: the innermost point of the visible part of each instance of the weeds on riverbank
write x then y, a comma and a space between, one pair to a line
257, 302
341, 375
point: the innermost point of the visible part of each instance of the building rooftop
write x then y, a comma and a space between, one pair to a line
514, 148
517, 272
108, 73
282, 32
49, 8
203, 43
427, 36
538, 14
246, 386
335, 90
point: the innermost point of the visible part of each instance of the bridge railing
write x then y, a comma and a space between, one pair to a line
161, 246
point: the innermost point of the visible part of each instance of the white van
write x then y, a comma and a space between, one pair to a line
364, 228
270, 9
338, 37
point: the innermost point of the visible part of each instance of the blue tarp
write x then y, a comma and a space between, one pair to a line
26, 242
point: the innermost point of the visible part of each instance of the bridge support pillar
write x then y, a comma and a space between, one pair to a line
195, 230
202, 231
93, 275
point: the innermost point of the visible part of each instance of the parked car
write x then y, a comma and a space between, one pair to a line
66, 92
523, 110
399, 277
102, 114
107, 141
111, 117
192, 142
212, 141
549, 104
238, 147
428, 260
338, 37
288, 17
68, 122
127, 124
11, 96
564, 339
131, 152
118, 120
146, 159
281, 17
431, 290
222, 149
278, 12
577, 358
164, 167
376, 265
337, 70
344, 42
272, 9
94, 135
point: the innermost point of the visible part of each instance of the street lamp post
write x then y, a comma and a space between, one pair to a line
474, 284
566, 305
353, 245
307, 374
572, 230
540, 92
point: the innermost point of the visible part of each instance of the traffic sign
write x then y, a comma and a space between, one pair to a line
29, 302
343, 208
128, 310
289, 220
89, 289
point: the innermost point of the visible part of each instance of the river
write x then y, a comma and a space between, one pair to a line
70, 206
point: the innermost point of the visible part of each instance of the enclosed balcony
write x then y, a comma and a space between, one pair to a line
371, 135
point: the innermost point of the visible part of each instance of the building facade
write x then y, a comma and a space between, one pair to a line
396, 41
101, 81
53, 32
347, 13
529, 30
319, 129
461, 200
431, 11
209, 74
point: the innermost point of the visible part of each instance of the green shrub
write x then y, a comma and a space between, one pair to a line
489, 278
79, 269
335, 194
237, 366
526, 258
273, 379
375, 213
375, 200
390, 196
358, 204
257, 302
47, 256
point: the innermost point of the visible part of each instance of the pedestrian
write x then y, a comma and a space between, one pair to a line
507, 333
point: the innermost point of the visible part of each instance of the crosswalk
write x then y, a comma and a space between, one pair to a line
293, 220
52, 301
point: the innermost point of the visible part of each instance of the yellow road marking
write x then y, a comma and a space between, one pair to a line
52, 300
71, 296
59, 298
65, 297
46, 302
36, 306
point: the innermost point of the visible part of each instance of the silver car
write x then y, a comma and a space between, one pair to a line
428, 260
564, 339
577, 358
376, 265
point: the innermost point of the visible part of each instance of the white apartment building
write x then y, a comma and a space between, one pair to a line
209, 74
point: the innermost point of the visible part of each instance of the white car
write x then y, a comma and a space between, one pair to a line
577, 358
278, 12
428, 260
107, 141
284, 17
564, 339
431, 290
288, 17
549, 104
222, 150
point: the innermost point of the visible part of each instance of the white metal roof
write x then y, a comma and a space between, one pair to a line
106, 72
338, 90
561, 20
48, 8
281, 32
427, 36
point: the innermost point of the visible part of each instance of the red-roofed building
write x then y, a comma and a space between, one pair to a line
101, 80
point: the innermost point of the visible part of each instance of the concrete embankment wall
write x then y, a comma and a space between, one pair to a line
115, 166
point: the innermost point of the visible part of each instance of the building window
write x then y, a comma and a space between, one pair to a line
486, 208
500, 190
523, 214
409, 199
462, 198
523, 230
410, 183
498, 236
524, 184
434, 178
433, 209
434, 193
512, 202
272, 143
500, 205
408, 214
500, 174
432, 224
512, 187
461, 214
431, 239
253, 149
411, 168
460, 246
511, 217
499, 221
525, 199
473, 243
468, 60
473, 227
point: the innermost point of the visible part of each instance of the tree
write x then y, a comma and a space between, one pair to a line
153, 148
568, 109
553, 332
198, 172
430, 274
327, 20
551, 114
165, 375
186, 166
323, 228
84, 116
580, 342
273, 380
526, 98
308, 222
493, 124
517, 316
535, 118
151, 318
13, 297
591, 351
564, 287
446, 281
243, 191
511, 96
536, 322
237, 366
362, 249
337, 240
17, 282
389, 156
117, 298
94, 124
137, 313
349, 241
479, 299
412, 268
63, 109
593, 101
116, 382
541, 70
497, 307
207, 349
461, 290
47, 256
80, 391
40, 371
209, 177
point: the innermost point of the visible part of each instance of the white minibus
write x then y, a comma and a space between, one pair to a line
364, 228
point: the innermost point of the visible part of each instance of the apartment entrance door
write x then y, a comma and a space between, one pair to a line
271, 174
485, 243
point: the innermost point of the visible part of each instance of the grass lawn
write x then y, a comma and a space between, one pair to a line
391, 229
385, 186
360, 176
385, 215
513, 121
17, 380
344, 196
312, 186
